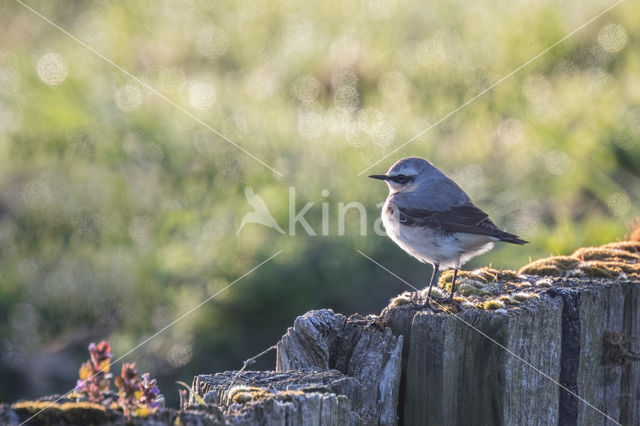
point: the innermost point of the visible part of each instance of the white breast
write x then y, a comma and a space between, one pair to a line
432, 246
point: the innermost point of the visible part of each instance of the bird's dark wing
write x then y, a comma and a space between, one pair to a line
465, 218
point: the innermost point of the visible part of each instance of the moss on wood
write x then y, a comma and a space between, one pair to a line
613, 261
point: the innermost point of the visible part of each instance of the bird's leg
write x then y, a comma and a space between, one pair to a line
434, 275
453, 283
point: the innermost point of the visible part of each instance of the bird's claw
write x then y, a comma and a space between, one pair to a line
438, 304
450, 301
425, 305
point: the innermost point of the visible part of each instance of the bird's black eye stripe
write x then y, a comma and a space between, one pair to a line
401, 178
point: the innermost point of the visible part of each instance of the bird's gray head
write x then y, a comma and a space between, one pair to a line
407, 174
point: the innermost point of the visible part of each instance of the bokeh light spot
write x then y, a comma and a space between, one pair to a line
619, 204
179, 355
128, 97
510, 131
202, 94
52, 69
612, 38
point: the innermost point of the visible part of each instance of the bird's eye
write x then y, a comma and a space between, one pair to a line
401, 178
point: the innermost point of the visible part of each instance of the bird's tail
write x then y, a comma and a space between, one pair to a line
511, 238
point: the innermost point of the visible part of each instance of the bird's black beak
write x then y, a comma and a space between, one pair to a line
381, 177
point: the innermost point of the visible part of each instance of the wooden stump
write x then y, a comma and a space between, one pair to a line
276, 398
322, 340
608, 373
330, 370
453, 374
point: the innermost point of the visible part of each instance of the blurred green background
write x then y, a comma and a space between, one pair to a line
118, 212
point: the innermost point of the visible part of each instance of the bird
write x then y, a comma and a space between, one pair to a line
260, 214
432, 219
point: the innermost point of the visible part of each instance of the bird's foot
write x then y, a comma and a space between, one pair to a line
448, 301
427, 304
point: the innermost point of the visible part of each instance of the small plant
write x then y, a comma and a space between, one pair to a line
137, 395
94, 376
186, 394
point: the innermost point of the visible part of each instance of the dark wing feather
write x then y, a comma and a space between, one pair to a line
464, 218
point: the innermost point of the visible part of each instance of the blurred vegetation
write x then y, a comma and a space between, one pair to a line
118, 213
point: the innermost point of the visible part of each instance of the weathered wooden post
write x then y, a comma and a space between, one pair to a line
330, 370
456, 375
522, 349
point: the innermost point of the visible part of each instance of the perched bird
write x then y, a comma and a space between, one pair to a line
430, 217
260, 213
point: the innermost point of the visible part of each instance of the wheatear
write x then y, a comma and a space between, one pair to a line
430, 217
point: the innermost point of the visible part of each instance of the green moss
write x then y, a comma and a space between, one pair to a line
601, 269
627, 268
242, 394
628, 246
508, 300
546, 282
446, 277
492, 305
287, 396
485, 275
448, 308
65, 406
470, 289
242, 397
609, 261
436, 292
508, 275
596, 269
556, 266
605, 254
403, 299
65, 413
477, 277
469, 305
524, 296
